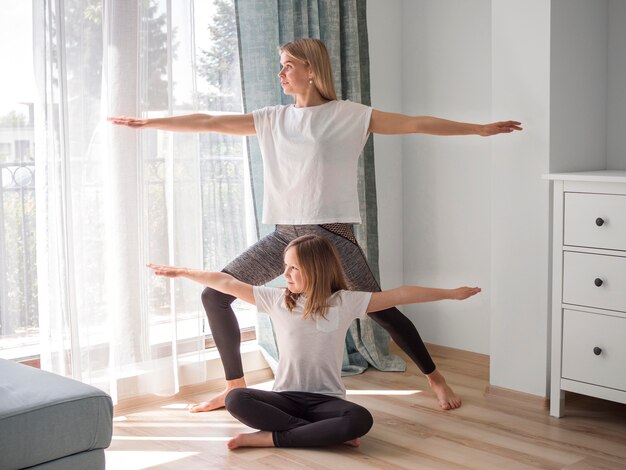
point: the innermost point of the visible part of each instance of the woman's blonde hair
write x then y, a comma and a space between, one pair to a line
313, 53
322, 274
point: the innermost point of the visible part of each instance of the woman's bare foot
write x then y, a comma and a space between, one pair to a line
353, 443
217, 401
448, 400
252, 439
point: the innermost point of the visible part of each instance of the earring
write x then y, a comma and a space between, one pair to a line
310, 81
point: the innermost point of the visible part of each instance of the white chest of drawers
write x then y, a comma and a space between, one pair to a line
588, 286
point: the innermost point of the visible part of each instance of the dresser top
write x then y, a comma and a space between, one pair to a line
607, 176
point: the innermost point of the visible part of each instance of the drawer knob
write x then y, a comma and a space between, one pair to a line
599, 221
598, 282
597, 351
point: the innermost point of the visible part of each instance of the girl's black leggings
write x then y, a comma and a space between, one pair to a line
299, 419
263, 262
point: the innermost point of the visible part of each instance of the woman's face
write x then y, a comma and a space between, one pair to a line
293, 273
294, 75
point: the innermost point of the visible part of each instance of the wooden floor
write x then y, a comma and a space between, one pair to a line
409, 432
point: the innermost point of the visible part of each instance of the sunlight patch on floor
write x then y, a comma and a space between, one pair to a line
175, 406
173, 438
138, 460
263, 385
181, 424
383, 392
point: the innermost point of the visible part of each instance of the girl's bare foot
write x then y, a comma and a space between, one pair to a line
353, 443
217, 402
448, 400
252, 439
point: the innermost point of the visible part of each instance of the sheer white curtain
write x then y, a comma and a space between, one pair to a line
110, 199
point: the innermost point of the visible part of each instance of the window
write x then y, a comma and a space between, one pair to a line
6, 149
18, 279
181, 72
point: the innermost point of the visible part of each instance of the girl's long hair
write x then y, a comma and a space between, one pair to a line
321, 272
313, 53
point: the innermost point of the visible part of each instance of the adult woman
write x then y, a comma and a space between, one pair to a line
307, 406
309, 152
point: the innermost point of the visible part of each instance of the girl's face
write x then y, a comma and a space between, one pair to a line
294, 75
293, 273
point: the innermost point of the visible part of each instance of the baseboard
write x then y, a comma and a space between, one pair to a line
460, 354
133, 404
526, 400
439, 351
255, 368
492, 392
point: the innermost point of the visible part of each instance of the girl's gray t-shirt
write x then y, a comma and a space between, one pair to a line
311, 350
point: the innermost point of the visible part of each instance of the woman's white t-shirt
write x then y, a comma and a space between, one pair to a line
311, 350
310, 161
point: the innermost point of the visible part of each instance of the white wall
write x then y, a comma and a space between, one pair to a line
446, 70
520, 206
616, 139
386, 90
578, 76
475, 210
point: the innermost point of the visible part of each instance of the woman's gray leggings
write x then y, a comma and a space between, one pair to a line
263, 262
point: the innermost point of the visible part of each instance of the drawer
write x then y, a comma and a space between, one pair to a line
581, 272
582, 333
595, 220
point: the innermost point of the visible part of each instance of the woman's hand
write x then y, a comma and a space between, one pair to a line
128, 121
394, 123
229, 124
501, 127
167, 271
462, 293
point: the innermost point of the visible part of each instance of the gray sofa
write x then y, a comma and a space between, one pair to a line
51, 422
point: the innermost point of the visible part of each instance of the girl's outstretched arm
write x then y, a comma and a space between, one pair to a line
416, 294
219, 281
232, 124
394, 123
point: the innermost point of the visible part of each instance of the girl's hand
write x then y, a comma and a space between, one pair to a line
462, 293
166, 271
502, 127
128, 121
220, 281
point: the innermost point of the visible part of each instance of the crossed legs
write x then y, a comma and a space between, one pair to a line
296, 419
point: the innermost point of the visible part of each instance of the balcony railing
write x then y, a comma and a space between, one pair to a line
223, 213
18, 279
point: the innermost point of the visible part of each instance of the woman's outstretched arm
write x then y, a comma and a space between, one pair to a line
394, 123
216, 280
415, 294
232, 124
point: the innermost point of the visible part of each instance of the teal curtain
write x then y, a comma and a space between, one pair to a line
263, 25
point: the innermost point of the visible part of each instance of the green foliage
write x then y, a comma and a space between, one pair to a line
222, 163
13, 119
20, 261
219, 65
154, 40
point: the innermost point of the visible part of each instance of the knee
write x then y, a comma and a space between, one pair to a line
214, 298
360, 422
234, 399
363, 423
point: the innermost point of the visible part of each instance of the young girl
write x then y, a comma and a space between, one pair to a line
311, 317
310, 151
